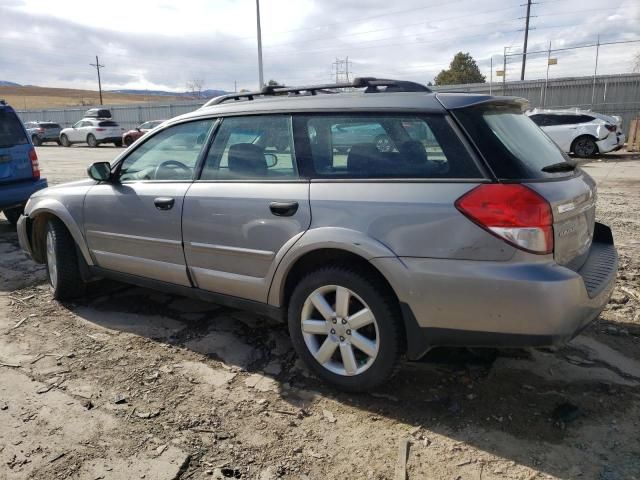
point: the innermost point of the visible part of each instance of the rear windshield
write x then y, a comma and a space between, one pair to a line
512, 144
11, 131
107, 124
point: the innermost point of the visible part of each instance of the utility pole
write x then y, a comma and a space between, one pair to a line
260, 73
341, 68
504, 69
98, 67
526, 38
595, 73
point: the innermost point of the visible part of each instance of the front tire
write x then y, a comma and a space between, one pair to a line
118, 143
63, 272
584, 147
64, 140
128, 141
91, 141
13, 214
346, 327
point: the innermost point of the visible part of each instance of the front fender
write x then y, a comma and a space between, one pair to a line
38, 206
337, 238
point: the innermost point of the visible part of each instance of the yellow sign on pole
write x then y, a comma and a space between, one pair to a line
553, 61
499, 73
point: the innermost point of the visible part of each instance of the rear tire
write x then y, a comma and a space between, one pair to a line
36, 140
584, 147
356, 343
58, 142
65, 141
91, 141
128, 141
118, 143
63, 272
13, 214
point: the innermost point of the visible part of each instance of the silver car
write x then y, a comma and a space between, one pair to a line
468, 227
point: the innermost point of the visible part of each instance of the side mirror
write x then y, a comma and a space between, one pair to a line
271, 159
100, 171
138, 129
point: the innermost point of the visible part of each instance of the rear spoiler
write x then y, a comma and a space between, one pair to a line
452, 101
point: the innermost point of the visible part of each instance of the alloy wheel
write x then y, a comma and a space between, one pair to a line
340, 330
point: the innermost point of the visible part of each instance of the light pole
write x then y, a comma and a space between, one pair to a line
260, 73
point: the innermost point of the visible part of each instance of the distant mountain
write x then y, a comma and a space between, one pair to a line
164, 93
5, 83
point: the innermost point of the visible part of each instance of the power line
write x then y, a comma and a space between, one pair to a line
98, 67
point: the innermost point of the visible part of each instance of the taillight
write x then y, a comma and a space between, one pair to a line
611, 128
100, 129
512, 212
41, 130
35, 166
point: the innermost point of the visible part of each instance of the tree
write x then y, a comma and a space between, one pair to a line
194, 87
462, 69
636, 62
273, 83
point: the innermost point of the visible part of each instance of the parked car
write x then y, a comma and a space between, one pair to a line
581, 132
475, 230
97, 113
92, 132
42, 132
19, 169
132, 135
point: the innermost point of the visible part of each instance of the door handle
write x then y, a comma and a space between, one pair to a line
164, 203
283, 209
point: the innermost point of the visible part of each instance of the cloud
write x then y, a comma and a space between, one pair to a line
414, 39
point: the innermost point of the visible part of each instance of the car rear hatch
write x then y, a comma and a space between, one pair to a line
516, 150
110, 129
15, 164
51, 130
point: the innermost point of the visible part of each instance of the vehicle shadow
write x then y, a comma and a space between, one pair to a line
537, 408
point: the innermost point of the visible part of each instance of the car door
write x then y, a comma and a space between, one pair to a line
133, 223
246, 209
562, 130
75, 133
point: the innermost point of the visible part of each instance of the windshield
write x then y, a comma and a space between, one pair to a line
512, 144
11, 131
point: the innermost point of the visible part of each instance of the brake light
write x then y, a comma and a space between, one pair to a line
611, 128
41, 130
35, 166
512, 212
100, 129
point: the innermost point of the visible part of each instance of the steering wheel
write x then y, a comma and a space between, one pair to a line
169, 166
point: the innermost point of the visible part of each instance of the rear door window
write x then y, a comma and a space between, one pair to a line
385, 146
11, 131
511, 143
108, 123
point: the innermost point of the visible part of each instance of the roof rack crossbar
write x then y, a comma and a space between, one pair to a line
370, 84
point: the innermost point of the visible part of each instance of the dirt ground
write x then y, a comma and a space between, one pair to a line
128, 383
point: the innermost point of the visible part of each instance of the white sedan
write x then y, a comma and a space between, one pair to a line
580, 132
93, 132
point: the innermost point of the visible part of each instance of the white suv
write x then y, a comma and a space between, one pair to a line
93, 132
581, 132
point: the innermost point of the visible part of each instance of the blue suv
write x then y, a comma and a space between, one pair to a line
19, 169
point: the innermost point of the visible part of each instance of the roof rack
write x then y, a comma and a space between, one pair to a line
370, 84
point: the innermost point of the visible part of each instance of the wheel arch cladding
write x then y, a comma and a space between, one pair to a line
38, 225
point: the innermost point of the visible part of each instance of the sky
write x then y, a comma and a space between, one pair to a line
164, 44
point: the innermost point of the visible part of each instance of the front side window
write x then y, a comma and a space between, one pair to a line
386, 146
78, 124
252, 148
171, 154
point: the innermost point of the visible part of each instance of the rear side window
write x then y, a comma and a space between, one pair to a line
107, 124
252, 148
11, 131
511, 143
385, 146
49, 125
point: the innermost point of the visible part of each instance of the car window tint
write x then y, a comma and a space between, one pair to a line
513, 146
107, 123
386, 146
171, 154
255, 147
11, 132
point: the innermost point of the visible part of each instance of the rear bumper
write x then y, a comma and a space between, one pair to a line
15, 194
500, 304
611, 143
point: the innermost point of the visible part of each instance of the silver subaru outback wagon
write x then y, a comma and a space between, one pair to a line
379, 222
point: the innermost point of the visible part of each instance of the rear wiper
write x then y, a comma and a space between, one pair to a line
559, 167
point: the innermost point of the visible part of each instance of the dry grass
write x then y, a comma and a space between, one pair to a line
42, 97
